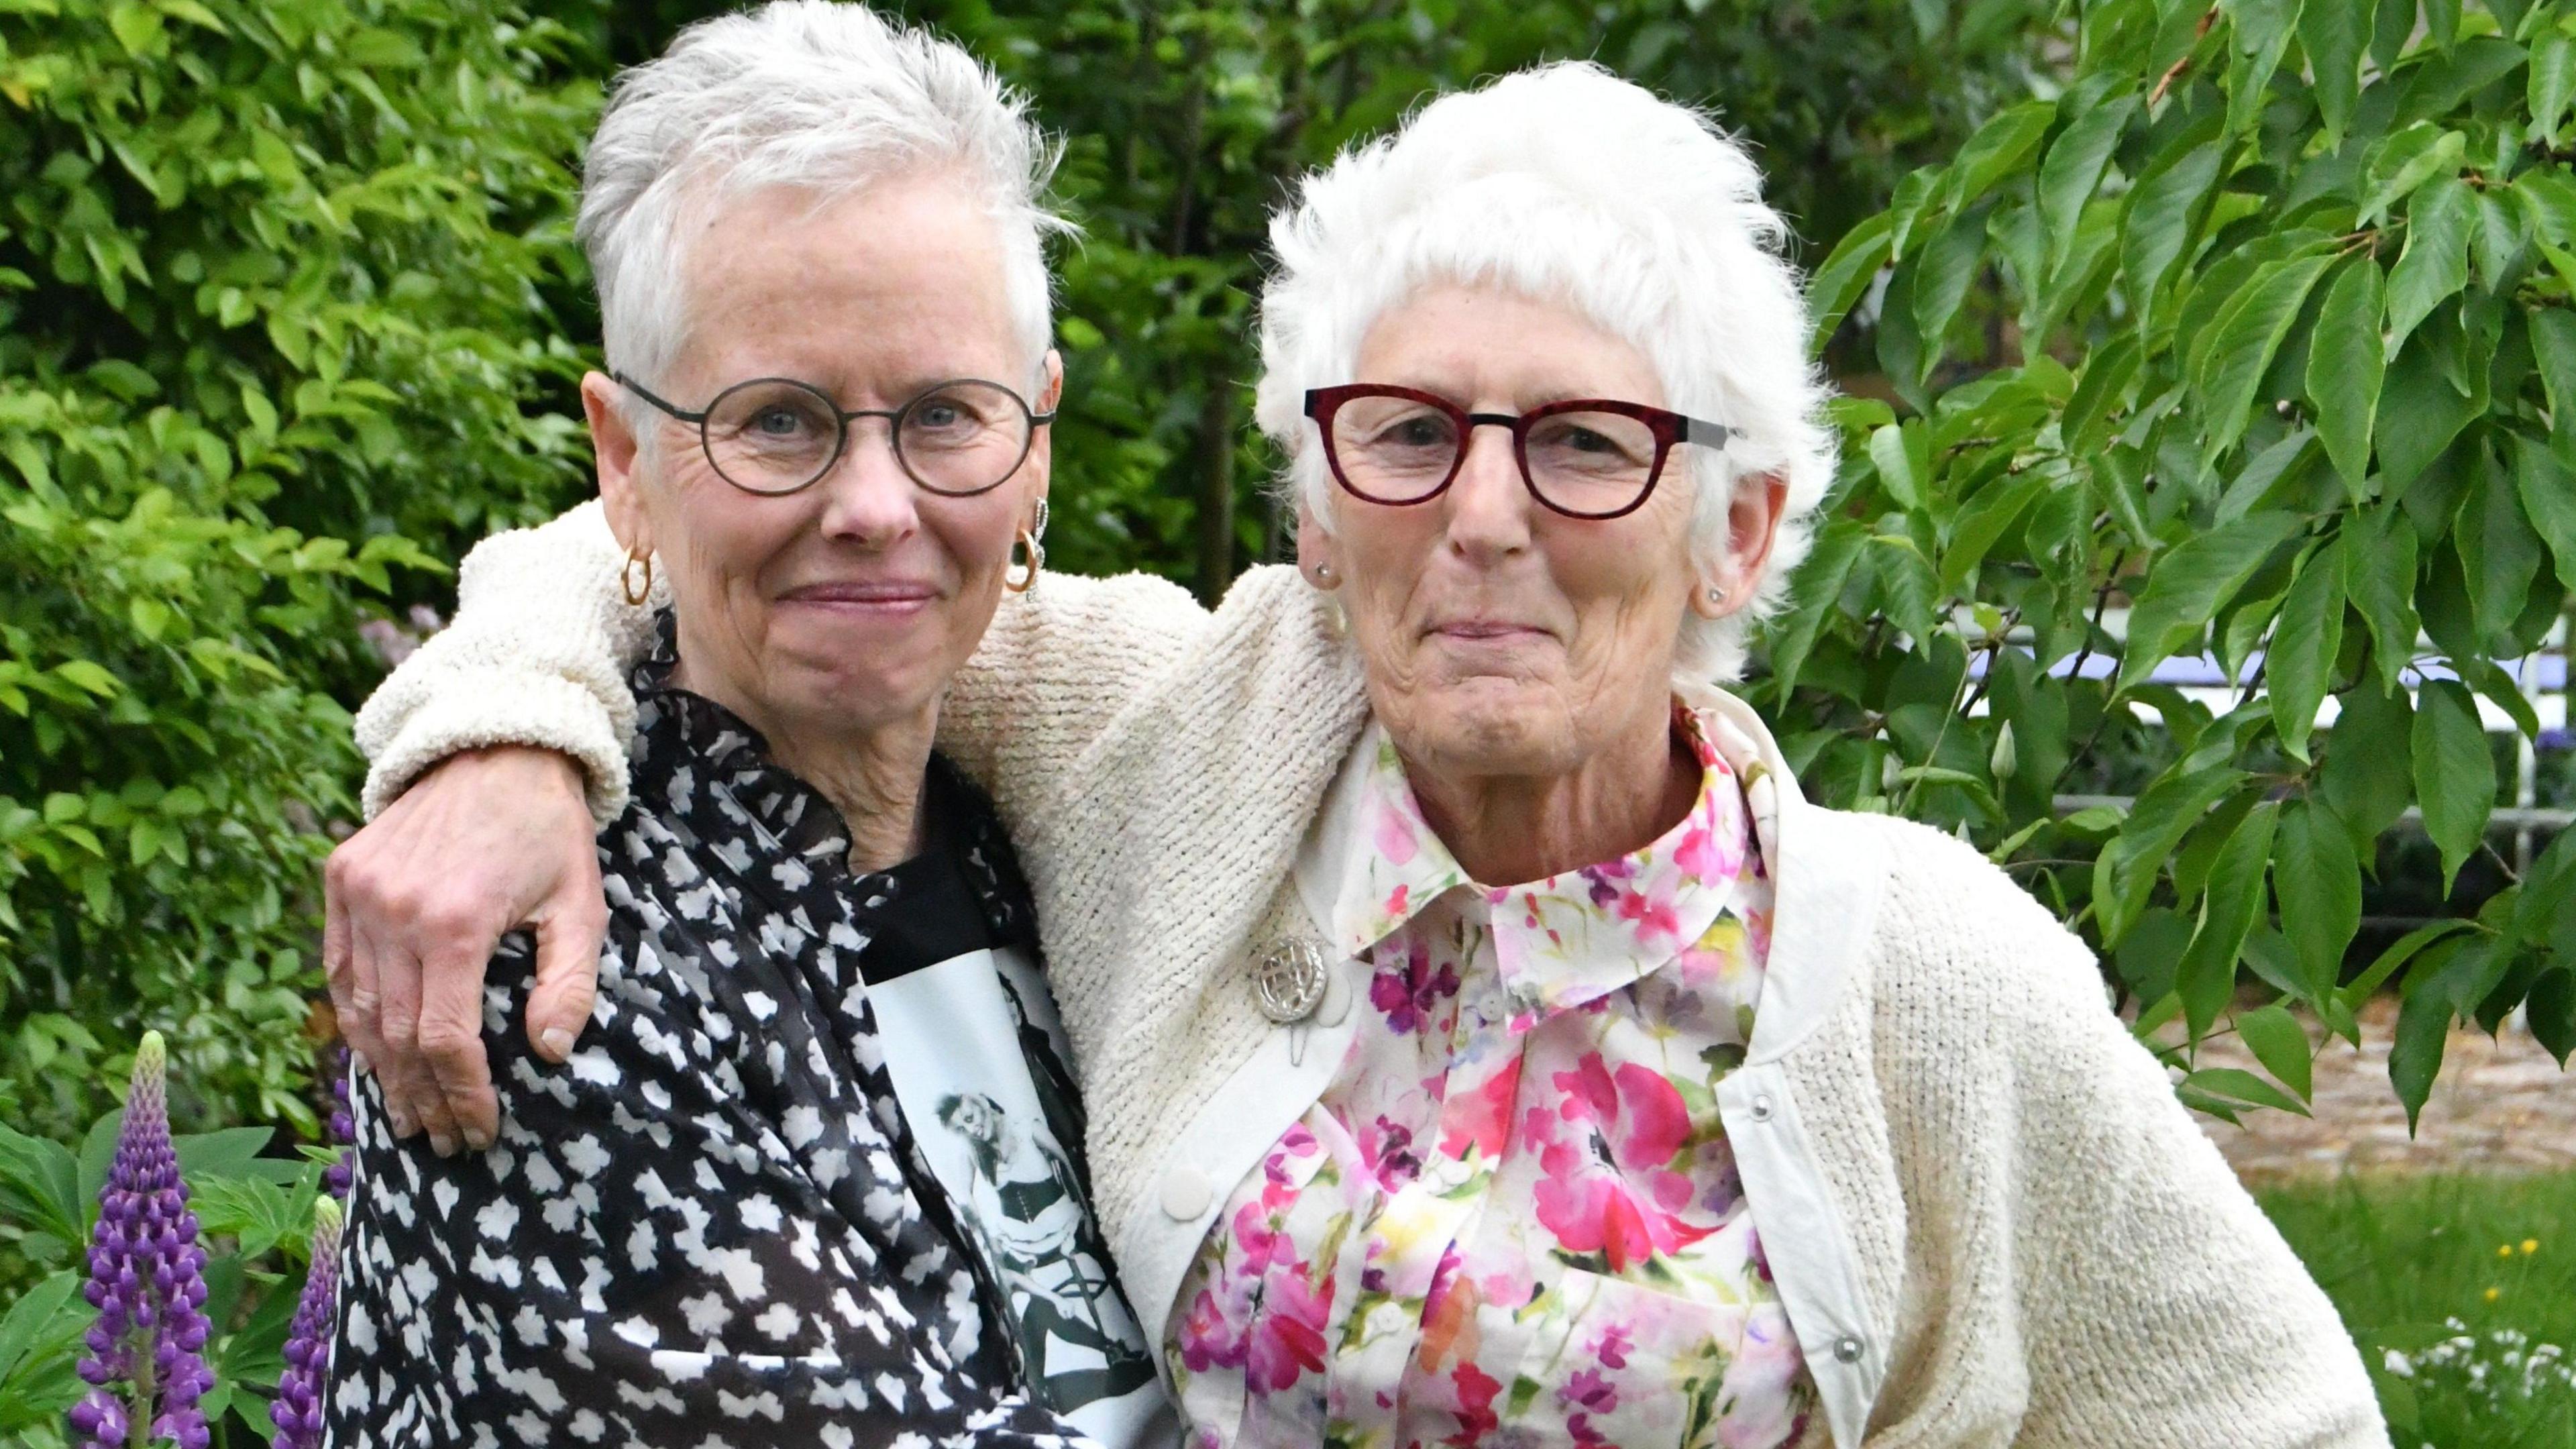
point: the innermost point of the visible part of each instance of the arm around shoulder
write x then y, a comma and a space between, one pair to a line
538, 654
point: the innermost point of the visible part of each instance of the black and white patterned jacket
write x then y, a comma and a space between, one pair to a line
712, 1227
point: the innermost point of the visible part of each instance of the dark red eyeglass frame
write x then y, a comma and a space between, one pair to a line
1670, 429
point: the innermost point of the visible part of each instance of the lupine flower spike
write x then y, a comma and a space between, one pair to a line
344, 1128
146, 1279
297, 1410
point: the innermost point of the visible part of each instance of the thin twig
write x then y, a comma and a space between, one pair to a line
2174, 72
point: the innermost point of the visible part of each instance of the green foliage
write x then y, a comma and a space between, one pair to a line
2252, 338
273, 341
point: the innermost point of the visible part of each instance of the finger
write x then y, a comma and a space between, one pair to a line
339, 971
451, 1044
409, 1086
366, 1010
570, 933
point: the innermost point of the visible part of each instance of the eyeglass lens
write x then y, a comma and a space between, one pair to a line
776, 436
1400, 450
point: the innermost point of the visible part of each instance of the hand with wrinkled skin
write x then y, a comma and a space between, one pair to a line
489, 842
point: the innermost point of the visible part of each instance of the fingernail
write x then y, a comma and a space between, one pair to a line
556, 1041
442, 1144
478, 1139
403, 1125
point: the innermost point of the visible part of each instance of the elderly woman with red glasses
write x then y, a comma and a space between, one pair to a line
1483, 1040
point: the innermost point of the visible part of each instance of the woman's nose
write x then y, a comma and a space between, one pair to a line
869, 498
1488, 504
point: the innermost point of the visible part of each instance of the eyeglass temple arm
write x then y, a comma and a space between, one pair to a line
1705, 433
640, 390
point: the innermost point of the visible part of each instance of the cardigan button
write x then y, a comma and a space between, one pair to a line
1186, 1193
1762, 1107
1848, 1348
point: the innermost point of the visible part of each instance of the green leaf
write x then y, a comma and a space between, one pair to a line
2189, 584
2159, 220
2366, 985
2298, 669
1816, 591
1997, 150
2207, 978
2073, 169
2498, 550
1845, 277
2551, 83
2548, 489
2281, 1045
2405, 161
2346, 363
2436, 263
2240, 344
2129, 865
89, 676
1943, 272
227, 1152
1903, 454
2455, 777
1983, 519
40, 1188
2415, 1056
2420, 413
2551, 1011
2553, 345
29, 1316
2235, 1085
2317, 880
2334, 33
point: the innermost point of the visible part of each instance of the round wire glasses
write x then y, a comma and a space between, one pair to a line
1592, 458
775, 435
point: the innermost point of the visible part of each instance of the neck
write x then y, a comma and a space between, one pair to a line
1512, 829
872, 776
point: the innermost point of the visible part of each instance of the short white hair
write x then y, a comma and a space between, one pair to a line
807, 95
1567, 184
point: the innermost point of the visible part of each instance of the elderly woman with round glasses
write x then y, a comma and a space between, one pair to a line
737, 1217
1485, 1042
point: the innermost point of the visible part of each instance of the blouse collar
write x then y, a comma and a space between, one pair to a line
1573, 937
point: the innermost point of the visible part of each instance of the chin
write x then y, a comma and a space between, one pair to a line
1493, 726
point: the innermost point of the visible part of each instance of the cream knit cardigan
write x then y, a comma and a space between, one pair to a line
1991, 1221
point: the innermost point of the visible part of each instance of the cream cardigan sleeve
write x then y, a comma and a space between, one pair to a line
2149, 1299
543, 641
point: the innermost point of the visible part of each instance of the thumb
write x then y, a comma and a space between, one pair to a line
570, 933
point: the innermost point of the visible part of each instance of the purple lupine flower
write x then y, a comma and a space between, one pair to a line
147, 1281
344, 1127
297, 1410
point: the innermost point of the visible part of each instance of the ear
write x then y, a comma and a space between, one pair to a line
1753, 517
614, 445
1041, 462
1316, 550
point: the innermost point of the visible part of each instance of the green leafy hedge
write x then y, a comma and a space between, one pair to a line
274, 342
2257, 329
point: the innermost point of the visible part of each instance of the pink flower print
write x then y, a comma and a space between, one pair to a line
1481, 1118
1395, 900
1287, 1337
1260, 1231
1476, 1390
1585, 1394
1395, 836
1409, 994
1697, 854
1207, 1339
1637, 1112
1590, 1199
1653, 917
1387, 1148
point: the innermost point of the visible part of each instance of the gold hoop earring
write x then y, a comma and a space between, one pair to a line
1013, 577
636, 593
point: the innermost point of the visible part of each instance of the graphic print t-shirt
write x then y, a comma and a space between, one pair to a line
979, 1064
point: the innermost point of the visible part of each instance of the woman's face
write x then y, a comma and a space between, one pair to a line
850, 603
1500, 637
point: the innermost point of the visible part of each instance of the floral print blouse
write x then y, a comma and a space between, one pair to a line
1513, 1217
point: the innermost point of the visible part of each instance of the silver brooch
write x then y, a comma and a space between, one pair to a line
1290, 980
